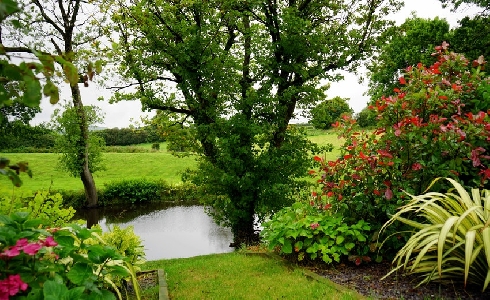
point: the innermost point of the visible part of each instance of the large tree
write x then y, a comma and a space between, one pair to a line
456, 4
63, 31
237, 71
407, 44
472, 37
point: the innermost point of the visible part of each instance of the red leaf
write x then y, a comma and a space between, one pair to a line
402, 80
388, 194
318, 158
357, 261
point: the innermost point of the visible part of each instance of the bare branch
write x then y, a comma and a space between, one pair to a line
47, 18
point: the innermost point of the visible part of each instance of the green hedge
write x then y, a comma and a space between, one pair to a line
134, 191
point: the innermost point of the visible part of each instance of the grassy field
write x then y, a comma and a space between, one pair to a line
119, 166
240, 275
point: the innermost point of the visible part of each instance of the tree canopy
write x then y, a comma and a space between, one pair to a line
408, 44
236, 71
329, 111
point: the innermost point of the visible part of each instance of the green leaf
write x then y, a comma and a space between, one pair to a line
349, 246
79, 273
54, 291
287, 247
339, 239
75, 293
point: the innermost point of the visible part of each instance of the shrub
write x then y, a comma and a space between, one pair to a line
134, 191
43, 205
307, 230
452, 240
126, 242
62, 263
433, 126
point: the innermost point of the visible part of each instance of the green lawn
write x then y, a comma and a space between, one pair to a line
119, 166
240, 275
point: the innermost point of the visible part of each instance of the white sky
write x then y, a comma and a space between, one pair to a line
120, 114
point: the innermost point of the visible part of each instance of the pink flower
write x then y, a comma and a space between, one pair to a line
12, 252
11, 285
21, 243
32, 249
50, 242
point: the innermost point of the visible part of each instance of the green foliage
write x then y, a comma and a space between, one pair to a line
134, 191
485, 4
67, 143
366, 118
451, 239
305, 230
128, 136
21, 138
12, 171
238, 71
126, 242
44, 205
327, 112
428, 129
408, 44
61, 263
471, 37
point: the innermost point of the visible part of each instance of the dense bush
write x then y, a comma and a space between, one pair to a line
19, 137
57, 263
329, 111
134, 191
46, 206
308, 231
452, 240
128, 136
436, 125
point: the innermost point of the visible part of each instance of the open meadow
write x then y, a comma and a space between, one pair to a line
157, 165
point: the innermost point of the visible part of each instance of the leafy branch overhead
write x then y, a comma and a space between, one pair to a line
12, 171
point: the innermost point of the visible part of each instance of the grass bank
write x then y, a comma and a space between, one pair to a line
119, 166
241, 275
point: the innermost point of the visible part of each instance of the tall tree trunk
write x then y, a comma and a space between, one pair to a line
85, 174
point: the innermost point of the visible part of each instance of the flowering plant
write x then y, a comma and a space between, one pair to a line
436, 124
37, 263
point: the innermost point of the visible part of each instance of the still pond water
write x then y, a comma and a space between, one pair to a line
168, 231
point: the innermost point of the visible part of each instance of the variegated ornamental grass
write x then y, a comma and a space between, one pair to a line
452, 242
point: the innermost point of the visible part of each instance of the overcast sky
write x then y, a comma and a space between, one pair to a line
121, 114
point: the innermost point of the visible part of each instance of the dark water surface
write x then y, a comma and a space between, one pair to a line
168, 230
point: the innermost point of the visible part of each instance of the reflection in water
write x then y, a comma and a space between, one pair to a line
178, 232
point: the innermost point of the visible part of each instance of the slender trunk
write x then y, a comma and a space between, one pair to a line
85, 174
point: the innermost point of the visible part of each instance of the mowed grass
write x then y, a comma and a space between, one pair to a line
159, 165
240, 275
119, 166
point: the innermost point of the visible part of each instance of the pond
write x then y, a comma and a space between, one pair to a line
167, 230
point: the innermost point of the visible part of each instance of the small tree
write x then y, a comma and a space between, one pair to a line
66, 124
329, 111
